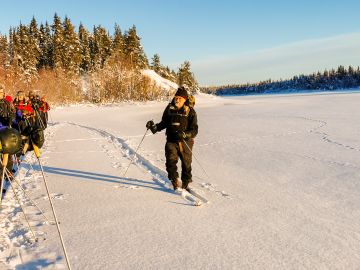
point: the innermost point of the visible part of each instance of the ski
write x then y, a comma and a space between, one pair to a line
196, 194
179, 191
188, 197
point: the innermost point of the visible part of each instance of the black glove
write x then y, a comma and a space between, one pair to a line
183, 135
151, 125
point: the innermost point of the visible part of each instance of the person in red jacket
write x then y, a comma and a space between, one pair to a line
24, 113
43, 111
22, 104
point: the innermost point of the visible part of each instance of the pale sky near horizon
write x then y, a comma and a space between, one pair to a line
226, 41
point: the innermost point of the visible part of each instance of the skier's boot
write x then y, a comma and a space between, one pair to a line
175, 184
185, 184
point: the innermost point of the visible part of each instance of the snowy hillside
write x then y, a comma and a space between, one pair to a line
160, 81
283, 185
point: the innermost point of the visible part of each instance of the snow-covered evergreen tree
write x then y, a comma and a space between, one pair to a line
71, 54
4, 51
34, 36
118, 45
155, 63
12, 46
134, 51
101, 47
57, 42
85, 49
27, 51
45, 46
186, 77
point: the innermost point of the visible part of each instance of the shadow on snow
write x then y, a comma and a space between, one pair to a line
103, 177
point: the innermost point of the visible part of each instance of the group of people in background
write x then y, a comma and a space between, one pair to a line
28, 114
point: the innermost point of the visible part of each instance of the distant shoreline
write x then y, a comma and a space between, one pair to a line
295, 93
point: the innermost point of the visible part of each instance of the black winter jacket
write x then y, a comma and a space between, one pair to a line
178, 120
7, 112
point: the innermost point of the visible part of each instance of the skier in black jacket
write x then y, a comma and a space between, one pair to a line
7, 110
180, 121
7, 115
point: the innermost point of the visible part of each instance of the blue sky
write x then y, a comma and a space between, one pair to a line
222, 39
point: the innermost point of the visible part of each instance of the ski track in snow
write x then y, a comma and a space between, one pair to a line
324, 137
315, 130
15, 237
158, 175
16, 241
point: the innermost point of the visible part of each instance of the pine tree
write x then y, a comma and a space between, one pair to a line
34, 31
85, 49
174, 76
155, 64
351, 71
71, 54
45, 47
27, 52
42, 47
134, 51
341, 71
118, 45
101, 46
3, 51
57, 42
13, 45
186, 77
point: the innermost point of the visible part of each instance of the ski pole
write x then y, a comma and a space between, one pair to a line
136, 152
37, 154
28, 197
39, 119
1, 189
5, 159
23, 190
22, 209
196, 159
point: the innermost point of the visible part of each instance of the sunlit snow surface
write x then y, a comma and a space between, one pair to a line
283, 184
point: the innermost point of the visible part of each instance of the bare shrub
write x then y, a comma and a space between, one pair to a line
117, 82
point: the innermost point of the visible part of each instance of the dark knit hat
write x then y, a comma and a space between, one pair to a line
181, 92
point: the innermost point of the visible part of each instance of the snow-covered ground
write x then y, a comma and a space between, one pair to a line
160, 81
283, 185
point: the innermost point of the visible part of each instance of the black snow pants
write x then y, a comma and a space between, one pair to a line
174, 151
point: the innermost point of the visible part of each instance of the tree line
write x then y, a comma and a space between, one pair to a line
110, 64
340, 78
